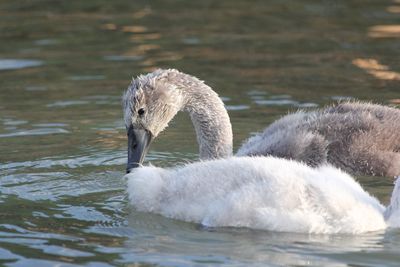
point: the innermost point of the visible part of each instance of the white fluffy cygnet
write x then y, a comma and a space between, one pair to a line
262, 193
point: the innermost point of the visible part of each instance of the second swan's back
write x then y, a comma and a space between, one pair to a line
360, 138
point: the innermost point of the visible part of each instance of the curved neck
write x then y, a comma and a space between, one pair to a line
210, 120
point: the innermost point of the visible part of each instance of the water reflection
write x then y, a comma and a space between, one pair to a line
67, 103
86, 77
145, 37
238, 245
394, 9
123, 58
14, 64
142, 13
146, 49
41, 131
279, 100
109, 26
384, 31
134, 29
45, 42
373, 67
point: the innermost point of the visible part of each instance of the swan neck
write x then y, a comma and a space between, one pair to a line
210, 120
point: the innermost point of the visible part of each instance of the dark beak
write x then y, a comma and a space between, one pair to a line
138, 144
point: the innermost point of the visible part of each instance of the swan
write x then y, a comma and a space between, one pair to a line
360, 138
265, 193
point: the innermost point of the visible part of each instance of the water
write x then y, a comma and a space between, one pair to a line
64, 66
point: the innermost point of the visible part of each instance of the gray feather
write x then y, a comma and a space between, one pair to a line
361, 138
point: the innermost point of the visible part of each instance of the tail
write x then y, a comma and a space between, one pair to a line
392, 212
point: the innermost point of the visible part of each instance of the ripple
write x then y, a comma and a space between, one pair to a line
280, 100
276, 102
237, 107
14, 122
12, 231
102, 97
35, 88
45, 42
8, 255
39, 214
41, 131
48, 263
50, 124
191, 41
21, 178
87, 77
134, 29
24, 241
67, 103
32, 190
54, 186
105, 158
256, 93
341, 98
123, 58
225, 98
14, 64
307, 105
82, 213
63, 251
99, 159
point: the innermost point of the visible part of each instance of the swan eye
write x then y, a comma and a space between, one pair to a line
141, 112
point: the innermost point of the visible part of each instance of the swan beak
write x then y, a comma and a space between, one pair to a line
138, 144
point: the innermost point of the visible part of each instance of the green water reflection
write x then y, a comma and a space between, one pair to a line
64, 66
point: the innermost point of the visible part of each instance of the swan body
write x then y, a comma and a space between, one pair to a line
360, 138
261, 193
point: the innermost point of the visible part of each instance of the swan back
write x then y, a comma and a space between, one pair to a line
360, 138
261, 192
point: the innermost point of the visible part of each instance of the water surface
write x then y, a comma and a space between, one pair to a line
64, 66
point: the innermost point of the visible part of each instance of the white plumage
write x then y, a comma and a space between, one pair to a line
261, 193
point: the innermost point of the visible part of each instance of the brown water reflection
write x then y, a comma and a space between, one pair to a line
384, 31
376, 69
394, 9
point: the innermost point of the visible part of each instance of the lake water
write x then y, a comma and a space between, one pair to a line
64, 66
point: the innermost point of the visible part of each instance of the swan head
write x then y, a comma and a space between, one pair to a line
149, 104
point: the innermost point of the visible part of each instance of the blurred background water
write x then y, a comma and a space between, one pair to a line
64, 66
